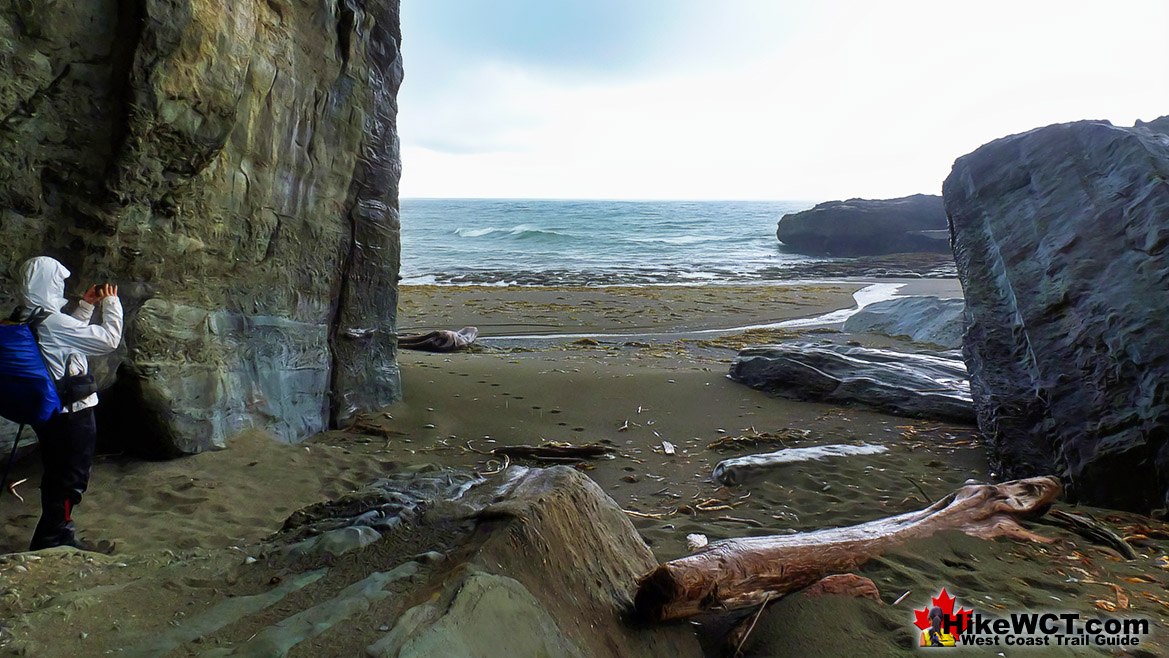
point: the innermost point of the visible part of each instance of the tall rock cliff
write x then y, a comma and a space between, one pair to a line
1060, 236
233, 165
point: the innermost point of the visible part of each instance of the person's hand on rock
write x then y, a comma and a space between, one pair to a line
91, 296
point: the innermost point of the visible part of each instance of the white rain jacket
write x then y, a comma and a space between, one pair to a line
66, 340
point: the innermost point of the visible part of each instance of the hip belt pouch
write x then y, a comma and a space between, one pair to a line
75, 388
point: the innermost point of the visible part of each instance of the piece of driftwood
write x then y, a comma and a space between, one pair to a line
553, 452
442, 340
736, 470
740, 573
1092, 530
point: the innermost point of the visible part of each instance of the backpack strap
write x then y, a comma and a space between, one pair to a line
35, 319
24, 315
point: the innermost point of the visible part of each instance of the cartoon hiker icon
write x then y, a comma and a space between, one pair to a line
935, 636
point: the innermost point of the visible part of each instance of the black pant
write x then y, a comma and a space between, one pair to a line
67, 444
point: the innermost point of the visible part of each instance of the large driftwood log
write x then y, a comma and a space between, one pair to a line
739, 573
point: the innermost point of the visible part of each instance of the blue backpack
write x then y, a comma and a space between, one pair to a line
28, 394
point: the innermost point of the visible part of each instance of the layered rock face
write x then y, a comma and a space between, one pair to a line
234, 167
863, 227
1060, 238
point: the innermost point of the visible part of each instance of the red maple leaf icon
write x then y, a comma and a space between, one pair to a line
946, 603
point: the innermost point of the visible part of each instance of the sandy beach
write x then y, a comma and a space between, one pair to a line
639, 370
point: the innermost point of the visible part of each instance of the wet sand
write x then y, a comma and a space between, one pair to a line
635, 395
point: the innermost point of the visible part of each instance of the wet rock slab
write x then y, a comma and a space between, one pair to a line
918, 385
923, 319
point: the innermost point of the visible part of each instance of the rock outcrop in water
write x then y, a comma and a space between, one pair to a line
905, 384
1060, 237
863, 227
234, 167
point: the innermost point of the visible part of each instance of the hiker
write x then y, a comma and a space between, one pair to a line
68, 438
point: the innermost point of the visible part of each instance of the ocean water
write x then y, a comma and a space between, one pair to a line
588, 242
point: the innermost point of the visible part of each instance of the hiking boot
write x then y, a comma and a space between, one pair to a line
67, 538
101, 546
52, 531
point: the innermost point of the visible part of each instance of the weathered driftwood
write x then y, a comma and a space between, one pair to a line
739, 573
1092, 530
736, 470
553, 452
439, 341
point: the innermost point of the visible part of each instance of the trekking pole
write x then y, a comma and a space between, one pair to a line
11, 458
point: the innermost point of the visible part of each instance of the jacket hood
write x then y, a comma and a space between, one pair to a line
43, 281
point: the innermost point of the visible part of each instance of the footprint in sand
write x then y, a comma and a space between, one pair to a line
170, 500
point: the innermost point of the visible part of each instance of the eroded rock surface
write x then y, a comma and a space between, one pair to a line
234, 167
918, 385
1060, 237
867, 227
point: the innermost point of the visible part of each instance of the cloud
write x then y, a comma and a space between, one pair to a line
754, 100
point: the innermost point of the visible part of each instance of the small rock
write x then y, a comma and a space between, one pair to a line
696, 541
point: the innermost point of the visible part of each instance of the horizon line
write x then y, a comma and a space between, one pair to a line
550, 198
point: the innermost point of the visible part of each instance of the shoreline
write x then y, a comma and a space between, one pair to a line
863, 291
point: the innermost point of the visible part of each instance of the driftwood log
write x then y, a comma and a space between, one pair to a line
442, 340
554, 452
737, 470
740, 573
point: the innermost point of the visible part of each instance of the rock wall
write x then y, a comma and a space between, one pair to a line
233, 166
1060, 238
864, 227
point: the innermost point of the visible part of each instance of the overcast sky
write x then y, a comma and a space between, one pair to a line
752, 99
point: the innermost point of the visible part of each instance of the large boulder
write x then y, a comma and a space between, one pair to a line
234, 167
922, 318
863, 227
1060, 238
918, 385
